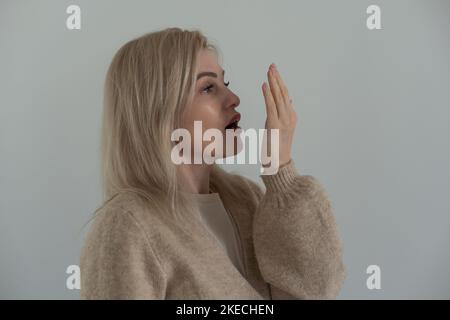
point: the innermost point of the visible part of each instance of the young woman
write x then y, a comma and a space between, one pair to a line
194, 231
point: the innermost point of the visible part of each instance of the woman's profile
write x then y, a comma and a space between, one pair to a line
195, 231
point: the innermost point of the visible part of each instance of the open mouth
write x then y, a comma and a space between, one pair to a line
234, 122
233, 125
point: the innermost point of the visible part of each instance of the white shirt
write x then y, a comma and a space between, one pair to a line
219, 222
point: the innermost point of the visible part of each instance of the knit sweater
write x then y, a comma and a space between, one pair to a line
289, 238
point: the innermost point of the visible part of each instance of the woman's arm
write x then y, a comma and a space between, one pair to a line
294, 232
295, 237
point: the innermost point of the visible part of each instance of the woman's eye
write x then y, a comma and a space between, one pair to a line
209, 87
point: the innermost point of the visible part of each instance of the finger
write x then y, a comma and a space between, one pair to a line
289, 107
283, 87
276, 92
285, 93
271, 108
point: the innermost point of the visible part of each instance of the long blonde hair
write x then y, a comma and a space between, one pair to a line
148, 83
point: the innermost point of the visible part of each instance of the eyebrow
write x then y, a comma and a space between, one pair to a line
209, 73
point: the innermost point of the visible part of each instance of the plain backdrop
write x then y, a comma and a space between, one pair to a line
373, 107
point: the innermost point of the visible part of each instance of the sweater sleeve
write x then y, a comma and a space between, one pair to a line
117, 261
295, 237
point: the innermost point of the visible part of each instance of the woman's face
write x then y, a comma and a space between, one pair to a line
214, 104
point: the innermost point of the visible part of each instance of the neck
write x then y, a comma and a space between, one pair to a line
194, 177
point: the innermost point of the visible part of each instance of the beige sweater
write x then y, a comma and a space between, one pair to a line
290, 245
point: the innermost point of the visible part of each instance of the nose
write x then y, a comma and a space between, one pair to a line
234, 100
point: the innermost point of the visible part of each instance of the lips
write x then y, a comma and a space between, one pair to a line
233, 123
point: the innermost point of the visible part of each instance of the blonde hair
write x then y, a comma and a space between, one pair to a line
148, 83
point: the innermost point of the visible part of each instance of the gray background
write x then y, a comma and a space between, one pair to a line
374, 110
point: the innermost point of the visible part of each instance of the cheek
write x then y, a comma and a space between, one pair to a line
209, 114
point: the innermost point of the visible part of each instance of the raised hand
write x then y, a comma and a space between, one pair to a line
280, 113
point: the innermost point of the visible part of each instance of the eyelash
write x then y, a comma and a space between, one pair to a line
211, 86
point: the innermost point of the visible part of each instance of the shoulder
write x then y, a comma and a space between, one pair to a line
118, 254
120, 210
121, 224
113, 222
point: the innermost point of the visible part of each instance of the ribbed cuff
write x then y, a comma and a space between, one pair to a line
282, 180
